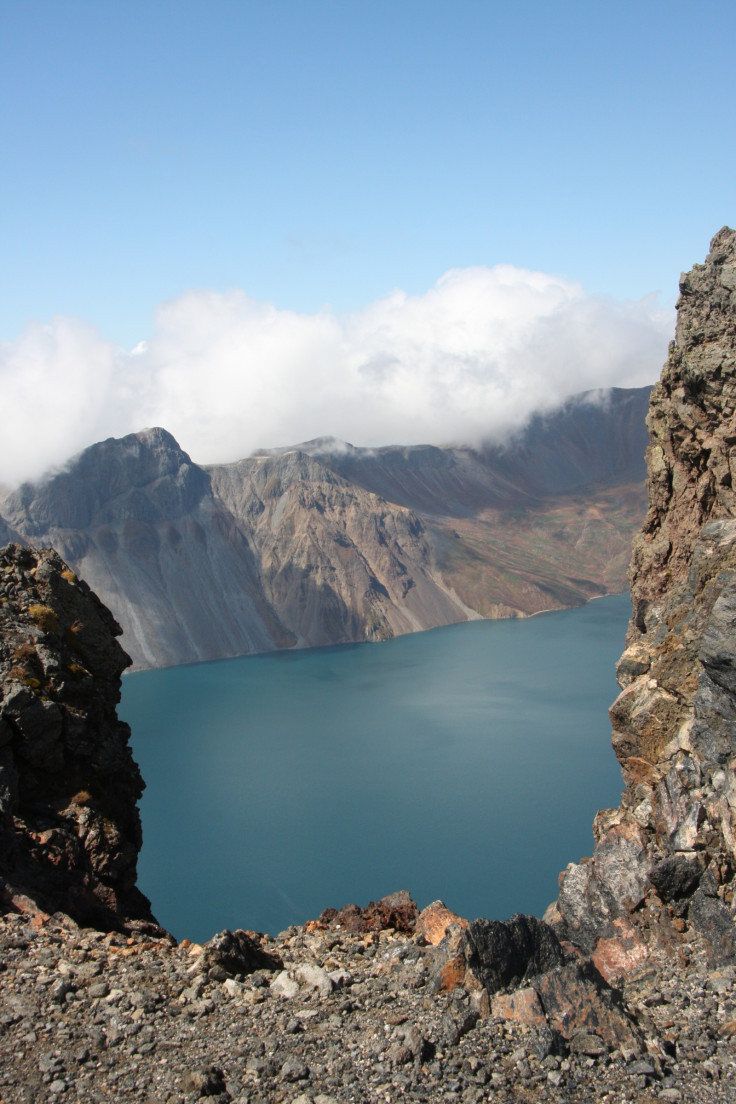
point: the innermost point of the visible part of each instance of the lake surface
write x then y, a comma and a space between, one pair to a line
464, 763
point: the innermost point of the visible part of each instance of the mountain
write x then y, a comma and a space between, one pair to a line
326, 543
138, 521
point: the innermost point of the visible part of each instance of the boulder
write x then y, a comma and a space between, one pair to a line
235, 954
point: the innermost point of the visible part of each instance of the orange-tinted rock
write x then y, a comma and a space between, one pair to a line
451, 975
434, 920
522, 1006
619, 955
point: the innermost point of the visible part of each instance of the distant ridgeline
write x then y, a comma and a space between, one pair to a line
325, 543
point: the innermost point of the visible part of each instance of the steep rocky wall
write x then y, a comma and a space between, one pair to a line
69, 826
662, 872
337, 563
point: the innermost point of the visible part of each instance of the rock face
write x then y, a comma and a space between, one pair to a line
138, 521
69, 826
337, 563
325, 543
662, 872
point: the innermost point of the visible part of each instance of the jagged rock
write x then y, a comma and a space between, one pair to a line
69, 825
434, 920
664, 862
495, 954
676, 876
503, 954
619, 954
713, 920
576, 999
397, 910
236, 954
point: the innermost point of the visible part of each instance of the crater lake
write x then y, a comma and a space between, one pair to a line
465, 763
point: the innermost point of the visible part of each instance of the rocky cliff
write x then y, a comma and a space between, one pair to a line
69, 826
661, 878
337, 563
325, 543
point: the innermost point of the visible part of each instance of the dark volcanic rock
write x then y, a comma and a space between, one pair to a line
69, 823
503, 954
677, 876
576, 999
236, 954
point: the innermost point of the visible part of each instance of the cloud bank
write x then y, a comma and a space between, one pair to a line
468, 360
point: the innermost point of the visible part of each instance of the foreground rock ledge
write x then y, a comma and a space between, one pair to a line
330, 1016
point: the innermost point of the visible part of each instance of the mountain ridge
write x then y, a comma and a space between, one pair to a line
327, 543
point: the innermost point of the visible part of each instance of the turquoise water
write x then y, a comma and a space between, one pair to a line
465, 763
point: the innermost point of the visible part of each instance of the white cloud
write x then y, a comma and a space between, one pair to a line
469, 359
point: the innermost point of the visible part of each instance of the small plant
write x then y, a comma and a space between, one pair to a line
83, 797
44, 617
71, 636
69, 575
77, 671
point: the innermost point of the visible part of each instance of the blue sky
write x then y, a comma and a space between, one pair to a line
320, 157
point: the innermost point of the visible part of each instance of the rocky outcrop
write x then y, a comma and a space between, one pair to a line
661, 877
325, 543
69, 826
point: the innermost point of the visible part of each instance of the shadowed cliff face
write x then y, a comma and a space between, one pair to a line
138, 521
326, 543
664, 862
69, 826
593, 439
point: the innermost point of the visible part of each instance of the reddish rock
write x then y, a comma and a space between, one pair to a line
575, 998
397, 911
618, 956
451, 974
433, 922
522, 1006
